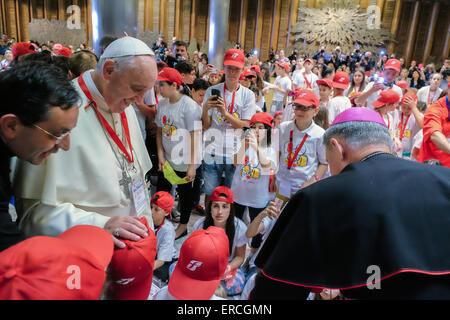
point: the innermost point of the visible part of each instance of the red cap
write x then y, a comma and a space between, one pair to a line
255, 68
202, 263
341, 80
22, 48
386, 96
171, 75
306, 98
325, 82
64, 52
308, 60
262, 117
222, 193
246, 73
409, 95
131, 269
278, 113
68, 267
284, 65
393, 64
164, 200
234, 57
402, 84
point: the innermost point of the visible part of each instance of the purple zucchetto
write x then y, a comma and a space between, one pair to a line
359, 114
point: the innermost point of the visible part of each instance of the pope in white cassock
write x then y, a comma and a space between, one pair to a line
100, 181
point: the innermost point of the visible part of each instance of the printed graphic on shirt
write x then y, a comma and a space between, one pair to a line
301, 160
250, 170
169, 128
221, 119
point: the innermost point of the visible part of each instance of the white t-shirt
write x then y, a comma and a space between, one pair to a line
250, 184
336, 105
374, 96
417, 142
299, 80
410, 131
221, 138
424, 95
284, 83
149, 99
312, 153
177, 121
239, 234
165, 239
389, 121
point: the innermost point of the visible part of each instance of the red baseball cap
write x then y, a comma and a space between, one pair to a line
393, 64
246, 73
57, 46
131, 268
164, 200
255, 68
284, 65
262, 117
68, 267
409, 95
308, 60
306, 98
234, 57
222, 193
171, 75
64, 52
402, 84
325, 82
21, 48
341, 80
278, 113
202, 263
386, 96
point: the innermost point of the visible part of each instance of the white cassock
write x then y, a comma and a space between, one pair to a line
86, 184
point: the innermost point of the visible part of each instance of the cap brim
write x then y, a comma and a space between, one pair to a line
303, 102
183, 287
234, 63
393, 68
378, 104
95, 240
340, 85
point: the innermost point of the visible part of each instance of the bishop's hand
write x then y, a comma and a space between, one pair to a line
126, 228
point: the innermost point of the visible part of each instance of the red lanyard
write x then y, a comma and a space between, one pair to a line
232, 101
307, 82
434, 96
291, 146
156, 232
105, 123
403, 127
388, 122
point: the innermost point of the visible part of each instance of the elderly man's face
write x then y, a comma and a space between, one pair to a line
130, 85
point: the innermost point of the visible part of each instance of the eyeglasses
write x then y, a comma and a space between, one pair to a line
303, 108
58, 139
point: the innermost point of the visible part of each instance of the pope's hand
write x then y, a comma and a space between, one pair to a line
126, 228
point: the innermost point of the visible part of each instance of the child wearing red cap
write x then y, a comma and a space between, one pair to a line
305, 79
220, 213
254, 162
358, 84
280, 87
162, 204
302, 153
277, 119
178, 119
339, 102
325, 89
407, 122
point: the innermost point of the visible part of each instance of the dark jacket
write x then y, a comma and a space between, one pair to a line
9, 232
385, 212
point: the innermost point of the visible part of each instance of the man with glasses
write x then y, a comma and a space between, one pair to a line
38, 111
101, 180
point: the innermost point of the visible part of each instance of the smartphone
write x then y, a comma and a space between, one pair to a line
245, 132
215, 92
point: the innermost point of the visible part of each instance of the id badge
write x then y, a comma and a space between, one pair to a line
139, 198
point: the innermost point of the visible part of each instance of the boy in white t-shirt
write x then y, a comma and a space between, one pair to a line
302, 153
431, 93
162, 204
407, 123
281, 88
339, 102
305, 79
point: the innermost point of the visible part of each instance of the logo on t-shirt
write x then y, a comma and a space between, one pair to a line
168, 127
250, 169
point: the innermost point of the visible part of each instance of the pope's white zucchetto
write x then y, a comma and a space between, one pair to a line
127, 46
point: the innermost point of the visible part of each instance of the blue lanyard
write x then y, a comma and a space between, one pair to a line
448, 106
